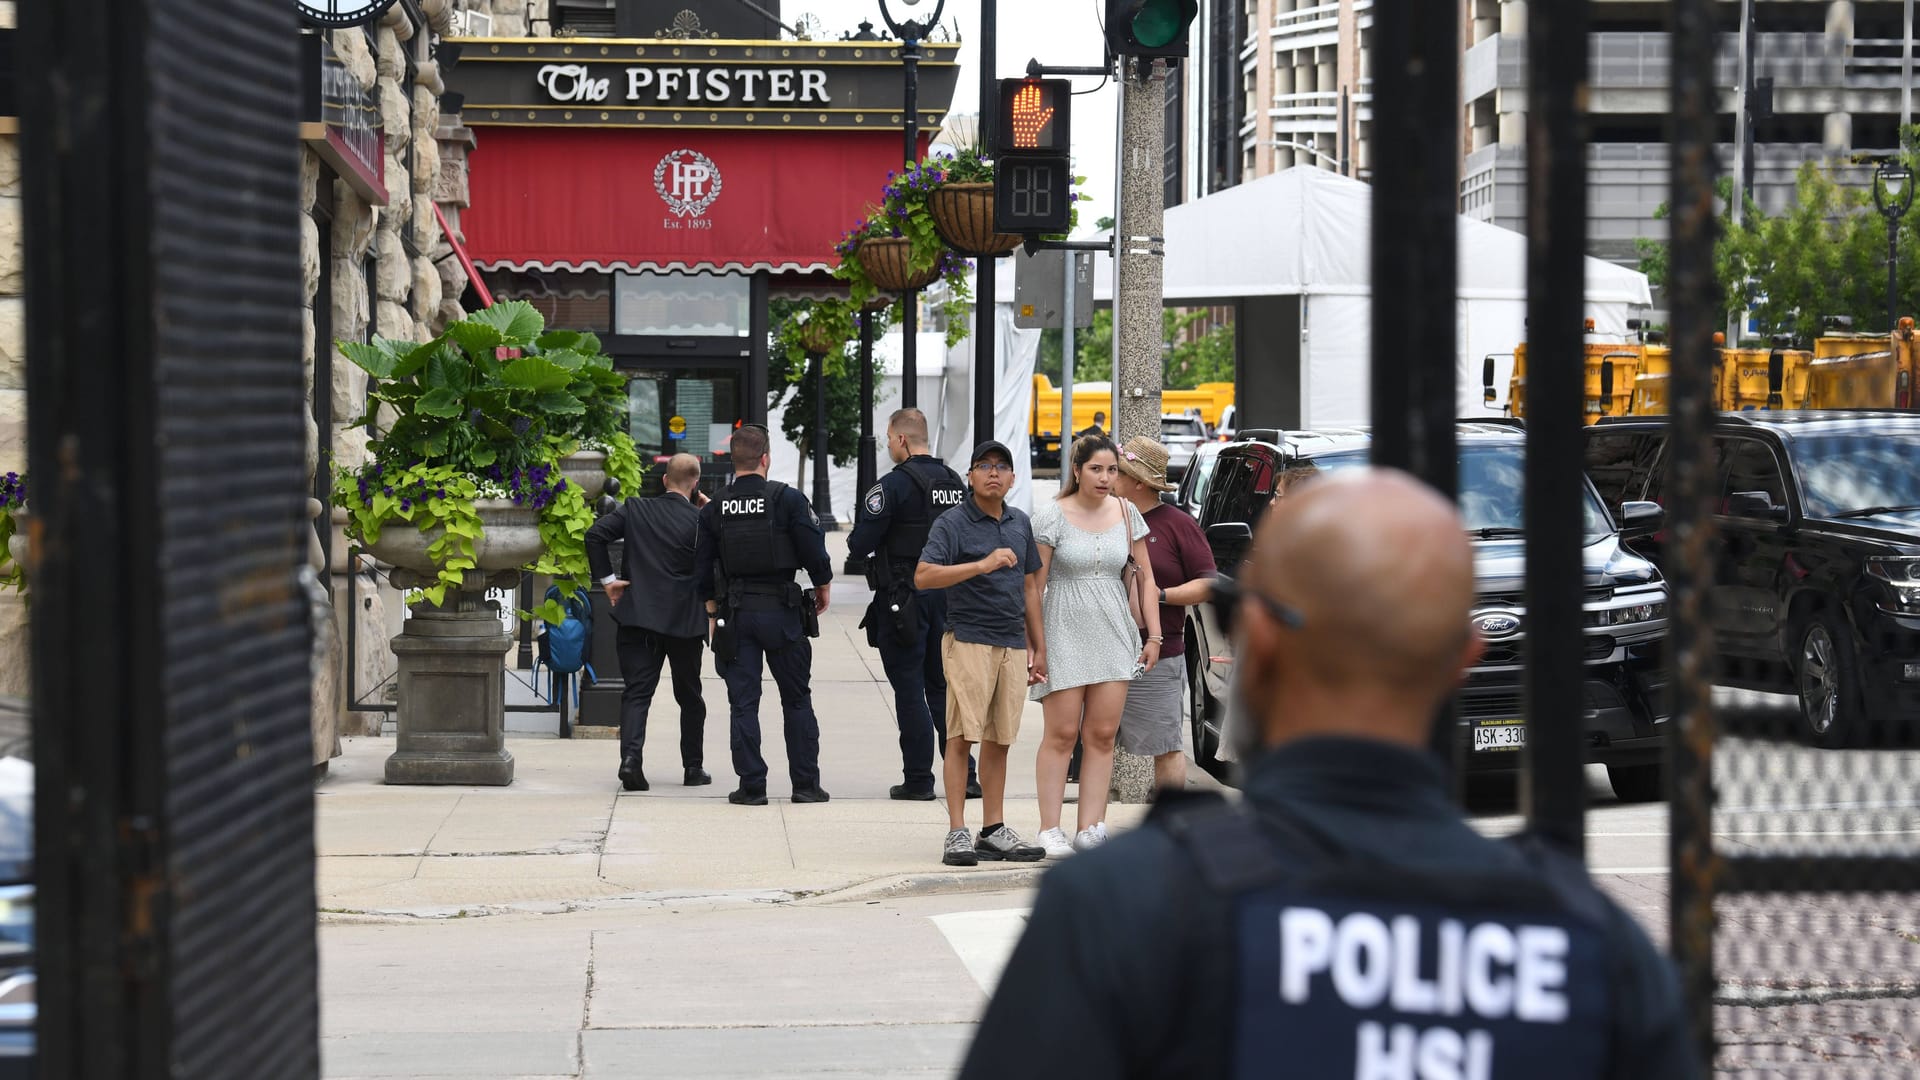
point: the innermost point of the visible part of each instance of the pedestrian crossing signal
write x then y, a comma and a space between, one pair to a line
1035, 117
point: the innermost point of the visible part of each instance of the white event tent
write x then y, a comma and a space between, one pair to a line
1292, 252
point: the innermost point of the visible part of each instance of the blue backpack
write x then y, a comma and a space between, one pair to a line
564, 647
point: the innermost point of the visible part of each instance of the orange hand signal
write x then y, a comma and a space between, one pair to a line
1029, 118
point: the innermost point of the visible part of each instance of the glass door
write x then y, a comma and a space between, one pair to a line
685, 410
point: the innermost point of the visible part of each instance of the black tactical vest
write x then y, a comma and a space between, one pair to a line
913, 519
751, 545
1343, 967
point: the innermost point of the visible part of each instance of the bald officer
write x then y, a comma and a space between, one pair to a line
1344, 920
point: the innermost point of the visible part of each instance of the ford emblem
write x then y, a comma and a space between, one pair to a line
1494, 625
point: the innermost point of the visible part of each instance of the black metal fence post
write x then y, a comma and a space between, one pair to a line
172, 702
1554, 780
1695, 298
1415, 276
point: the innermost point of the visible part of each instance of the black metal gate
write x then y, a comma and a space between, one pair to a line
170, 633
1794, 877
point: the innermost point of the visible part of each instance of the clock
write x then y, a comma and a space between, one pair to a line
335, 13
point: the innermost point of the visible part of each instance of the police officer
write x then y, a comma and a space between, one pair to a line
1343, 920
752, 540
903, 624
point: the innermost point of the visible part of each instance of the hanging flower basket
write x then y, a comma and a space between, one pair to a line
818, 338
888, 263
963, 216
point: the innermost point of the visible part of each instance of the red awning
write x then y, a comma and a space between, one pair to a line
663, 199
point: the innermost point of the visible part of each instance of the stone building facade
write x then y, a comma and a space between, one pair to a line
376, 269
369, 268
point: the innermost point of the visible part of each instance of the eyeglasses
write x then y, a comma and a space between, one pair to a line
994, 467
1229, 594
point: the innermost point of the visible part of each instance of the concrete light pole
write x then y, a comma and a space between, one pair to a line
1139, 250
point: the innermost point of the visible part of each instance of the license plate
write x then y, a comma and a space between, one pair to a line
1500, 736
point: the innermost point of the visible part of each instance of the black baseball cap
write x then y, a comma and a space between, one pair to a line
986, 449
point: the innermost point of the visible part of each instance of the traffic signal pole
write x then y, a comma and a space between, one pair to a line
986, 356
1139, 250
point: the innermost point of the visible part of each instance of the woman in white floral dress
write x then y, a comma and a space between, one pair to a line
1090, 647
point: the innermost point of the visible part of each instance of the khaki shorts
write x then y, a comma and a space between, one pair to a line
986, 691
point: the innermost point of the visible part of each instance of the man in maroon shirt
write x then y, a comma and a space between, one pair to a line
1183, 571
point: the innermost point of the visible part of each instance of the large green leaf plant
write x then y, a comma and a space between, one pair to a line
483, 411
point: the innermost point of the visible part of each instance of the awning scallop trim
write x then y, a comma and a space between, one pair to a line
593, 266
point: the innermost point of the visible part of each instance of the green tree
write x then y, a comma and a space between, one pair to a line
1824, 255
791, 382
1208, 358
1095, 346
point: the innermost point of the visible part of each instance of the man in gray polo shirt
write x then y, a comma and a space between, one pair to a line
982, 552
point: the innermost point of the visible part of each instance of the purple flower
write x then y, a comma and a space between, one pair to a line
386, 490
406, 504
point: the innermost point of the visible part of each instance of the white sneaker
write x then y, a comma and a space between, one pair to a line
1055, 841
1091, 837
1100, 827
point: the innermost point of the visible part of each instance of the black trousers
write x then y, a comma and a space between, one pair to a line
642, 652
777, 639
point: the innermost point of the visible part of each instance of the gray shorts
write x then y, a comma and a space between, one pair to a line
1156, 709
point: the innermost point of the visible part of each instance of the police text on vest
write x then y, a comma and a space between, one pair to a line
744, 506
1487, 971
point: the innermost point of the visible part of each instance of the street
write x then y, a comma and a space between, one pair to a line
559, 928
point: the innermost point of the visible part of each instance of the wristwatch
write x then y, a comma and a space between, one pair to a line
1163, 596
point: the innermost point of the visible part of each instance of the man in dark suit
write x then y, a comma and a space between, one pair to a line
661, 621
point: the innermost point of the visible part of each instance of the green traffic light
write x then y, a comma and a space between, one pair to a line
1159, 23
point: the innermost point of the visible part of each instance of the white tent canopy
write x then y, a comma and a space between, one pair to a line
1306, 233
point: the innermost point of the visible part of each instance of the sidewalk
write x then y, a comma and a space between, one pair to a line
564, 836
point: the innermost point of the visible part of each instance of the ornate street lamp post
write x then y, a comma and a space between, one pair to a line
1892, 196
911, 33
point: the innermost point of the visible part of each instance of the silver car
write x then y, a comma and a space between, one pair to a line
1192, 494
1182, 436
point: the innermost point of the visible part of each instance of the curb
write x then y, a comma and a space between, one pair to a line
905, 886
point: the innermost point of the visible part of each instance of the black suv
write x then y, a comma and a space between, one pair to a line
1625, 612
1816, 587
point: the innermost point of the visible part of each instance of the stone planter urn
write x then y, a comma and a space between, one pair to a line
888, 265
452, 681
588, 469
19, 545
963, 216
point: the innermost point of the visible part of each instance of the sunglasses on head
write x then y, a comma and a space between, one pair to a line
1229, 595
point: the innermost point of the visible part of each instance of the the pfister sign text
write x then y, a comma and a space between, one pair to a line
708, 85
689, 85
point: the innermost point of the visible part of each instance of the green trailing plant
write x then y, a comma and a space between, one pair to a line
13, 500
624, 465
601, 424
484, 411
834, 319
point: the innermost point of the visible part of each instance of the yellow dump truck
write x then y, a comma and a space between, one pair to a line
1842, 371
1611, 368
1044, 424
